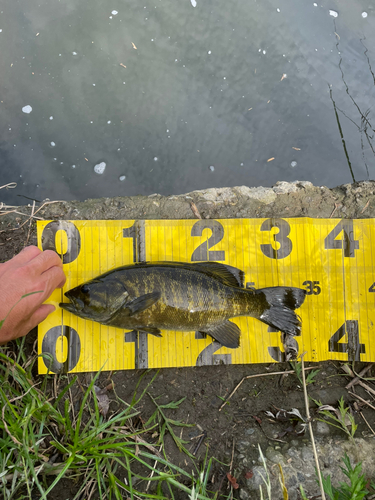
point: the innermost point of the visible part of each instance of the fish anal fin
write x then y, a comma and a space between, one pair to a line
228, 275
227, 333
143, 302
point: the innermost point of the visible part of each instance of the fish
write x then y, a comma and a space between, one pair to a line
155, 296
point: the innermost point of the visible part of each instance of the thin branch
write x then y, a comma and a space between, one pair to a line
311, 430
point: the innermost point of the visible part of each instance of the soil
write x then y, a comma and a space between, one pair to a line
234, 432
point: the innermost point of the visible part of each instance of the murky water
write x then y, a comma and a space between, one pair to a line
123, 97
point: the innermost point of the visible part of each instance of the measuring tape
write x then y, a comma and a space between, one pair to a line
332, 259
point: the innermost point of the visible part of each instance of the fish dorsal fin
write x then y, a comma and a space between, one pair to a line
228, 275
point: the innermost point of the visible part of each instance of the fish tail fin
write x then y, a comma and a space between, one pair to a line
280, 311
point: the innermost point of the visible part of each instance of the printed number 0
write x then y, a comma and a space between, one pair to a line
73, 236
49, 347
281, 237
203, 253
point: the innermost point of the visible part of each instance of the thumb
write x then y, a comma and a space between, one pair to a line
41, 314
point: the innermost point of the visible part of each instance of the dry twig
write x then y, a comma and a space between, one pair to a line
253, 376
310, 429
356, 379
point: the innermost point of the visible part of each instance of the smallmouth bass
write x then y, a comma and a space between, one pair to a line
151, 297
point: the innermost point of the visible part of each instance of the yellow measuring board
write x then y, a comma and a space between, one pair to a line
333, 259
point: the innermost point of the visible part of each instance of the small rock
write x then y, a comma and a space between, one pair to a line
307, 454
243, 494
242, 445
274, 456
250, 431
322, 428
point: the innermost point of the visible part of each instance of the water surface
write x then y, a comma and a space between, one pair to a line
168, 97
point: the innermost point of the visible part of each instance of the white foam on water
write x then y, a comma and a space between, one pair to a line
212, 168
193, 3
73, 166
209, 52
114, 13
53, 144
293, 164
122, 178
364, 14
109, 121
155, 158
1, 30
51, 117
333, 13
74, 53
27, 109
100, 167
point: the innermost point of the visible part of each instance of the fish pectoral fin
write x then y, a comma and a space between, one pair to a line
152, 331
227, 333
143, 302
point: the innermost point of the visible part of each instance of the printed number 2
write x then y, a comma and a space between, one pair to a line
202, 252
353, 348
348, 244
281, 238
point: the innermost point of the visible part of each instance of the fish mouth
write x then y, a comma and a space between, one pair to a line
75, 305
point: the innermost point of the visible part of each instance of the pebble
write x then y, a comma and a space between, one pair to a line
322, 428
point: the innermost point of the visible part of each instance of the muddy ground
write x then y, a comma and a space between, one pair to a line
234, 432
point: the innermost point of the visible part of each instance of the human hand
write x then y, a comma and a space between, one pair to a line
30, 271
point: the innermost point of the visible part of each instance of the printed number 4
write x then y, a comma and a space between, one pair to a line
348, 244
353, 348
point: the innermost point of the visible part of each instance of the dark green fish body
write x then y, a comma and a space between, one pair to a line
179, 296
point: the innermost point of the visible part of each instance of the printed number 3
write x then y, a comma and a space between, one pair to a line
281, 237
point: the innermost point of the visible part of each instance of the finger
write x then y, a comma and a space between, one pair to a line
27, 254
40, 315
50, 280
44, 261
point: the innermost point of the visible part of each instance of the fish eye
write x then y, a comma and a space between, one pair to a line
85, 288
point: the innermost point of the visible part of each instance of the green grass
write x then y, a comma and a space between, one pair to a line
43, 440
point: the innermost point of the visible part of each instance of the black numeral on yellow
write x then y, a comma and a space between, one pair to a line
207, 356
312, 287
72, 234
49, 342
372, 288
136, 232
353, 347
281, 237
203, 252
347, 243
